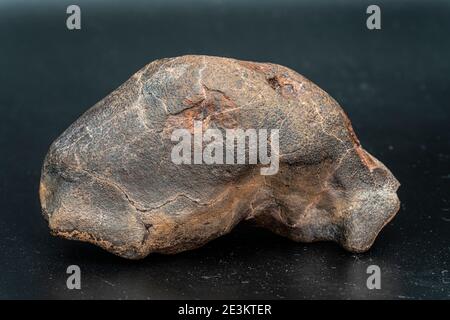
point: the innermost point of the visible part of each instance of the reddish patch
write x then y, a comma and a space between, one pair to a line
213, 107
366, 159
258, 67
284, 86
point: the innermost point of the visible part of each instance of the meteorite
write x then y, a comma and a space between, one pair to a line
110, 178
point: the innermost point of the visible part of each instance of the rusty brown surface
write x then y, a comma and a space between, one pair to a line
109, 180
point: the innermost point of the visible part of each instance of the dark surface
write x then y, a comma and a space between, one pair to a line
393, 83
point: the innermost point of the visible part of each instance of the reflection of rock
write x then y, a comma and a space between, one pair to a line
109, 179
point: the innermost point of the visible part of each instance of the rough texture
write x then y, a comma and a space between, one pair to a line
109, 179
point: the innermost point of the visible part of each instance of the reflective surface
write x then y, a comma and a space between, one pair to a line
394, 84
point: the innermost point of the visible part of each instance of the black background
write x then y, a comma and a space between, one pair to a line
393, 83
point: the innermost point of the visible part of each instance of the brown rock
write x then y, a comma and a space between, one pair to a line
109, 178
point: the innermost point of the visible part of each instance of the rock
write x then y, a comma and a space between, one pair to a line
110, 179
